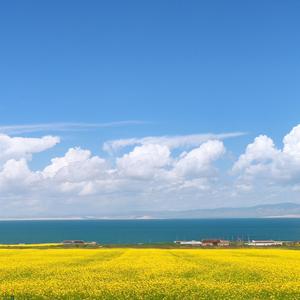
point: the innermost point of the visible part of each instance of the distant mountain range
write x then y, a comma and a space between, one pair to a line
281, 210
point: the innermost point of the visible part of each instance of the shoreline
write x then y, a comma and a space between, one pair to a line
90, 246
145, 219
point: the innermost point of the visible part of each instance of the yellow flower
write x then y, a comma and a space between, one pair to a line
149, 273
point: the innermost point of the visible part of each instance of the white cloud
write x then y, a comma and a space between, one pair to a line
262, 160
144, 161
172, 142
16, 179
76, 165
198, 162
16, 176
292, 144
52, 127
20, 147
261, 151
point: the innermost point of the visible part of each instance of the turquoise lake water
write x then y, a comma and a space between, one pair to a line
147, 231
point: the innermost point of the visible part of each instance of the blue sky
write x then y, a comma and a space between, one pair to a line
176, 67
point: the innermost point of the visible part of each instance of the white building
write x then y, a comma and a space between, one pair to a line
264, 243
189, 243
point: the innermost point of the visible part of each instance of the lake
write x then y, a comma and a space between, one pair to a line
147, 231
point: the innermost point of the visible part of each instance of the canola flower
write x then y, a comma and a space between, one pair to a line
150, 274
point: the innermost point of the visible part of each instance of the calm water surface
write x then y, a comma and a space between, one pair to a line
147, 231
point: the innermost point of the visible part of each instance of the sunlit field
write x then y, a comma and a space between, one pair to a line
150, 273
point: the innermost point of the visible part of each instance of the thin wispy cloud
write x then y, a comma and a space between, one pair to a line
63, 126
172, 142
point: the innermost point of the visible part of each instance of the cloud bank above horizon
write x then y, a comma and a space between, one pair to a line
162, 172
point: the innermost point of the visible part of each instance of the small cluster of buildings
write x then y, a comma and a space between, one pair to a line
202, 243
78, 243
205, 243
226, 243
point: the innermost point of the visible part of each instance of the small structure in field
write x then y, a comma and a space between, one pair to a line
215, 243
189, 243
73, 242
92, 243
264, 243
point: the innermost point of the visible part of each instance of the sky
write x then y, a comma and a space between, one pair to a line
115, 106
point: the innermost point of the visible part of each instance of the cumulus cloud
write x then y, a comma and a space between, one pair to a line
76, 165
261, 152
198, 162
16, 178
20, 147
292, 144
263, 160
144, 161
16, 175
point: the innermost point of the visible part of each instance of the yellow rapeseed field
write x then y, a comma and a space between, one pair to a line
149, 274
